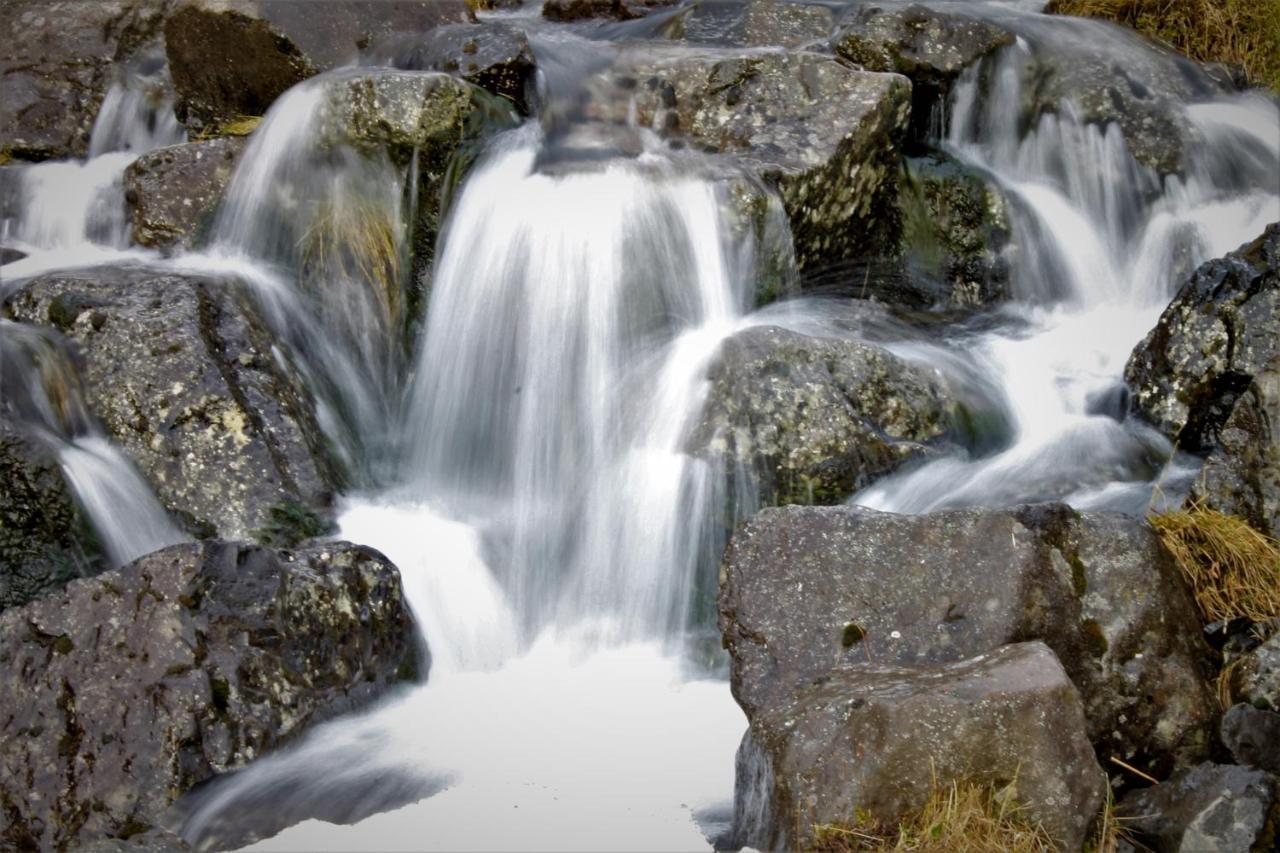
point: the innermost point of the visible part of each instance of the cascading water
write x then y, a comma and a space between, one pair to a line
1102, 244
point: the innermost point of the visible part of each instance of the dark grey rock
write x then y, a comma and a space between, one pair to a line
181, 373
494, 56
1253, 736
804, 589
616, 10
124, 691
752, 23
1241, 477
824, 135
1210, 808
812, 420
231, 59
173, 192
1258, 675
56, 65
876, 740
1220, 331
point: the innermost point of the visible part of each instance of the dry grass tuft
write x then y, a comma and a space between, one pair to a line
1234, 570
357, 242
961, 818
1238, 32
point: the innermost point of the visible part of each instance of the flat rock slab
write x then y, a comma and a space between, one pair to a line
123, 691
876, 740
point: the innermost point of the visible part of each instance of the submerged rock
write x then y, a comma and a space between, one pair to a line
45, 541
56, 66
1242, 474
1219, 332
824, 135
494, 56
172, 192
812, 420
804, 589
123, 691
875, 740
1211, 808
955, 232
275, 45
189, 382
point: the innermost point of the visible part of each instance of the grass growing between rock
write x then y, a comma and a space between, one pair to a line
358, 241
1234, 570
1238, 32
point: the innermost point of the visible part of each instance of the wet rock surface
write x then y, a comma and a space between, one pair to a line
45, 541
123, 691
1011, 714
805, 589
1213, 808
494, 56
1219, 332
823, 134
276, 44
1241, 477
616, 10
752, 23
172, 192
956, 232
188, 381
55, 68
808, 420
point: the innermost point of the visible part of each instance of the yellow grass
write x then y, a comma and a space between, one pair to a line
357, 242
1234, 570
1238, 32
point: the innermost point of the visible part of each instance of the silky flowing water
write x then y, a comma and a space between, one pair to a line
524, 464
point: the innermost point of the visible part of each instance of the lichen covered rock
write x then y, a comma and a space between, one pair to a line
1211, 808
173, 192
186, 379
1221, 330
811, 420
804, 589
123, 691
751, 23
874, 741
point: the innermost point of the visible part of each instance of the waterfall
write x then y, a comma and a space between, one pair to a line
1102, 244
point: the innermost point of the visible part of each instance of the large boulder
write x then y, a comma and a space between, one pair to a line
1241, 477
55, 68
751, 23
173, 192
125, 690
823, 134
812, 420
231, 58
1221, 330
1211, 808
929, 46
494, 56
184, 377
45, 541
874, 740
804, 589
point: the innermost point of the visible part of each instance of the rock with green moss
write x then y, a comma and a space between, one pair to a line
45, 541
752, 23
805, 589
1221, 329
184, 376
807, 420
56, 66
955, 233
873, 740
122, 692
233, 58
821, 133
172, 192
